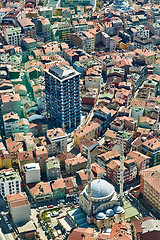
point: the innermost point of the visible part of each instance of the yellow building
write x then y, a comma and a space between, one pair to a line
121, 45
149, 55
5, 160
58, 12
91, 130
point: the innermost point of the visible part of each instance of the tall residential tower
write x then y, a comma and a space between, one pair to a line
62, 87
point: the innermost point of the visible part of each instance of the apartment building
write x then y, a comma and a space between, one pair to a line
5, 158
151, 148
57, 141
155, 28
142, 161
127, 139
74, 164
25, 157
41, 155
43, 28
139, 31
58, 188
64, 31
143, 43
32, 173
19, 208
61, 31
12, 124
11, 103
105, 157
10, 182
83, 40
113, 171
148, 55
53, 169
79, 26
62, 87
91, 130
13, 36
28, 27
40, 192
149, 186
121, 123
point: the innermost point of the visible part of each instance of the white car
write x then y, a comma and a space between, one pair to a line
10, 227
3, 213
5, 218
55, 214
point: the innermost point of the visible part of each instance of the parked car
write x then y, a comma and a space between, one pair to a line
5, 218
44, 228
50, 206
10, 227
46, 232
3, 213
55, 214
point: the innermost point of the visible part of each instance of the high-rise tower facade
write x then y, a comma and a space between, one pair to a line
62, 88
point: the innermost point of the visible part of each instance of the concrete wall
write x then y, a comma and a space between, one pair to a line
21, 214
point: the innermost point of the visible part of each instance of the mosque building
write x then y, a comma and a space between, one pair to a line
121, 5
100, 202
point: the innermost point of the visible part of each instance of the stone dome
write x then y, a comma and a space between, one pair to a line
118, 209
101, 189
110, 212
100, 216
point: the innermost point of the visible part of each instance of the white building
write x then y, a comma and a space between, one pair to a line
32, 173
10, 182
57, 141
13, 36
140, 31
19, 208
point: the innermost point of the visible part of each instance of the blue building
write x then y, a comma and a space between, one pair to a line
62, 87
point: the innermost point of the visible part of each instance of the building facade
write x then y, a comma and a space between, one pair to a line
10, 182
149, 186
32, 173
62, 87
41, 155
151, 148
57, 141
53, 169
13, 36
83, 40
19, 208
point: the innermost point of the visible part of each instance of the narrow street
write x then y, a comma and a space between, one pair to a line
35, 219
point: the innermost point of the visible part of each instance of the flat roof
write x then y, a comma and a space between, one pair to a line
63, 72
26, 227
66, 223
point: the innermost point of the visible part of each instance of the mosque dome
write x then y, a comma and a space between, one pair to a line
101, 189
110, 212
100, 216
118, 209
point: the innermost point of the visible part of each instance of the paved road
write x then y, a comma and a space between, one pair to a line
4, 231
5, 234
35, 219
